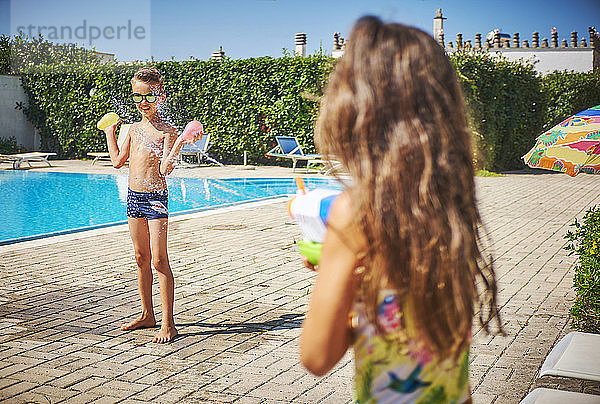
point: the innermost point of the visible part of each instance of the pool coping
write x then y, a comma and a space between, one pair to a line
172, 215
114, 227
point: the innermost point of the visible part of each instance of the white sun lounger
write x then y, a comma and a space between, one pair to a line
289, 148
549, 396
17, 159
198, 149
577, 355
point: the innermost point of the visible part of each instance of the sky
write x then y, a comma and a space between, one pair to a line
161, 29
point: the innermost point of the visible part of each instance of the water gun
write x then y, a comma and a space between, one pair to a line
311, 209
107, 120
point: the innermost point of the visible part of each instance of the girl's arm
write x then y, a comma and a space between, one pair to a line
118, 155
326, 334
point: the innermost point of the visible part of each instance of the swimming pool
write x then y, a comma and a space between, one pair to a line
43, 204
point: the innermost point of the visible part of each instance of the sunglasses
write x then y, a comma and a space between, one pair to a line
150, 97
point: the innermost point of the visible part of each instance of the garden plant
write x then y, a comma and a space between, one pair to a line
584, 243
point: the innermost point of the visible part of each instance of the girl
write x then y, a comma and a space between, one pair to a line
401, 261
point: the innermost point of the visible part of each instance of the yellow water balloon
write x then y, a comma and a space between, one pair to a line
107, 120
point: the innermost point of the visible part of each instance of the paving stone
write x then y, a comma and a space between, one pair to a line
106, 400
14, 389
88, 384
80, 398
241, 294
55, 394
150, 392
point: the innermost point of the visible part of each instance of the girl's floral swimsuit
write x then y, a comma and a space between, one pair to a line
399, 370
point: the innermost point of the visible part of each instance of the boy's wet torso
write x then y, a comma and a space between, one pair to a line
145, 153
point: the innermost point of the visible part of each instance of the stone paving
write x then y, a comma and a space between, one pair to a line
241, 294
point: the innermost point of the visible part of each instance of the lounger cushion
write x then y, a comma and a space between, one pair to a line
577, 355
549, 396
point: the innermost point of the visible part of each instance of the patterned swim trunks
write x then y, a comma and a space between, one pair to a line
149, 205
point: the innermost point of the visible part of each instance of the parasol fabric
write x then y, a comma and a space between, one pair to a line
572, 146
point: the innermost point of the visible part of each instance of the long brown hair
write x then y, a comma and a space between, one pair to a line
393, 114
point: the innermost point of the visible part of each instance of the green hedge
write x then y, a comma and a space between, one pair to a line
584, 242
243, 104
18, 53
510, 104
506, 107
568, 93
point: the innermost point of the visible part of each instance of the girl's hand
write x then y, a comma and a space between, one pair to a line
309, 265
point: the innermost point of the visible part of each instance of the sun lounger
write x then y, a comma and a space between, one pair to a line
549, 396
577, 355
327, 167
199, 150
289, 148
18, 159
123, 130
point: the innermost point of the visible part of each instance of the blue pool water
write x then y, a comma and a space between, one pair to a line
42, 204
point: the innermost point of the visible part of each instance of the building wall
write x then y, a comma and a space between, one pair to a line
549, 60
13, 122
574, 53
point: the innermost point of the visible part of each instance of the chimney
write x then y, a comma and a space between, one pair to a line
301, 44
438, 25
218, 55
535, 41
554, 38
338, 45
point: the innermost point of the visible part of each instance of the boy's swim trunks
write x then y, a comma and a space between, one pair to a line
149, 205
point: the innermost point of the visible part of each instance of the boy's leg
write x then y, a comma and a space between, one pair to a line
140, 235
160, 260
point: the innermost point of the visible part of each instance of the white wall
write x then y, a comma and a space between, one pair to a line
13, 121
548, 60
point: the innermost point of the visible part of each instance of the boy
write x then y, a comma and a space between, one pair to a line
151, 146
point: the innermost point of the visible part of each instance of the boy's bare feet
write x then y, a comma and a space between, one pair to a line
141, 322
166, 334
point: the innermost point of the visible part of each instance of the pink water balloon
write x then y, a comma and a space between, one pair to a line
192, 129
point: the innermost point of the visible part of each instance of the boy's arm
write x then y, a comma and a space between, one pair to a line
172, 145
118, 156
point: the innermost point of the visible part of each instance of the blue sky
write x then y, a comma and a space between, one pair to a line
253, 28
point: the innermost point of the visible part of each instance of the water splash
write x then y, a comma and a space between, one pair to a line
173, 115
183, 190
123, 108
171, 111
120, 106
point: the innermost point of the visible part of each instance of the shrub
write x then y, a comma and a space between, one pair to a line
584, 242
568, 93
505, 104
19, 53
10, 146
243, 104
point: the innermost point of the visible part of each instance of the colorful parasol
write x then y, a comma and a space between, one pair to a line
572, 146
